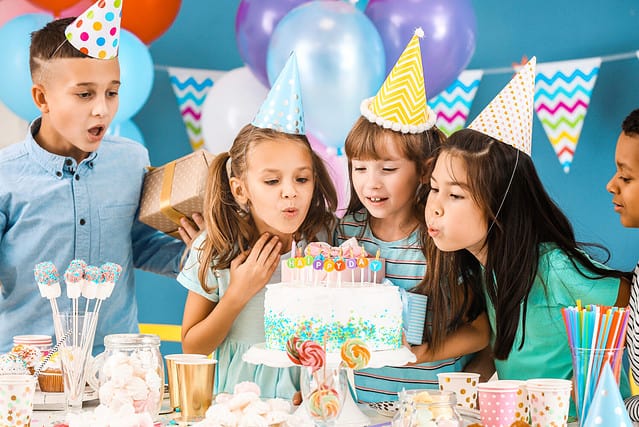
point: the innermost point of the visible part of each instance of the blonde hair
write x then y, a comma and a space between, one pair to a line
230, 228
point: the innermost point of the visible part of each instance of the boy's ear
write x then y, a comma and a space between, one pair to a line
238, 190
39, 97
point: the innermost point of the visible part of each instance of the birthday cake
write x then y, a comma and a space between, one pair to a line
333, 309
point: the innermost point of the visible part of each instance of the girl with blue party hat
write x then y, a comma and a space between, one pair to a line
389, 149
269, 190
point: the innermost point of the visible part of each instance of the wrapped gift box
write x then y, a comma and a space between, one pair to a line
175, 190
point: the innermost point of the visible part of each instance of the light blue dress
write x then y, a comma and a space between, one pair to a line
247, 329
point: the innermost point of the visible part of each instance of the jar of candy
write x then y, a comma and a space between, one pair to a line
427, 408
130, 371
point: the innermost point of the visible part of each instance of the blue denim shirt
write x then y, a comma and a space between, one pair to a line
53, 209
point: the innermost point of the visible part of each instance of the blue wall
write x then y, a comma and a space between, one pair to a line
203, 36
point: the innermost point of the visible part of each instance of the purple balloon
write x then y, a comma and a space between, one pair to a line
449, 35
254, 24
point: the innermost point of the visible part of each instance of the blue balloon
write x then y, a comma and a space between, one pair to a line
341, 62
126, 129
15, 76
136, 75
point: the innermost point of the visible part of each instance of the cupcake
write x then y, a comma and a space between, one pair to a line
30, 354
12, 364
50, 377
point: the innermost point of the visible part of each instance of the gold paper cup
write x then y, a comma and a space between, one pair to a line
171, 368
195, 387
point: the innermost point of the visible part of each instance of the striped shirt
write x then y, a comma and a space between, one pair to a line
405, 267
632, 403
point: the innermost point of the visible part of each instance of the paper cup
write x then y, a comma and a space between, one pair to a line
171, 369
16, 399
195, 387
497, 403
463, 384
549, 401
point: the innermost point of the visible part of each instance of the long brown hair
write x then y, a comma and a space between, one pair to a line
521, 216
230, 228
368, 140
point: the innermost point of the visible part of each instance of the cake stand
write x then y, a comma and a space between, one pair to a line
351, 415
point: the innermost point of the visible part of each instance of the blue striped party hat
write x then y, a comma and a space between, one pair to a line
282, 110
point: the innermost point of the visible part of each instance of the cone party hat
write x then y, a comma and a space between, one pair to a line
282, 110
400, 104
96, 32
508, 117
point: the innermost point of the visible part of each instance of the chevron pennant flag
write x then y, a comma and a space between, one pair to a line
562, 96
190, 87
453, 104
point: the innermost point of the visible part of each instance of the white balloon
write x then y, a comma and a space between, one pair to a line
231, 104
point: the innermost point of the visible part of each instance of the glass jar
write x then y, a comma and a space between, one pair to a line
427, 408
130, 371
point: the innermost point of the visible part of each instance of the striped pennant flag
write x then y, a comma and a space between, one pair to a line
191, 86
453, 104
562, 96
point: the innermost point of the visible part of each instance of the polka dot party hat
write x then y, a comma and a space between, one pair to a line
400, 104
282, 110
97, 31
508, 117
607, 407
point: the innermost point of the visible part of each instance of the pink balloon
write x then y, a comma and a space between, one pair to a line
337, 166
13, 8
77, 9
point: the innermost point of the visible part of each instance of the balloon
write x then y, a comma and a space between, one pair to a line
14, 129
15, 77
136, 75
77, 9
254, 24
126, 129
449, 35
149, 19
337, 166
55, 6
231, 103
341, 61
13, 8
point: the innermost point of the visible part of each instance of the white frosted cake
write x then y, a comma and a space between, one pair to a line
332, 314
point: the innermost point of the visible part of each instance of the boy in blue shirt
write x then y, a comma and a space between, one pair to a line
68, 192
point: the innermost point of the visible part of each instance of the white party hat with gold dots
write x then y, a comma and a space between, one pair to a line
508, 117
96, 32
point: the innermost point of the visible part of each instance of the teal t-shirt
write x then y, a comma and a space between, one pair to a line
546, 352
405, 267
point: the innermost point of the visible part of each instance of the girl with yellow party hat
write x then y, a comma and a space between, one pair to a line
494, 226
388, 150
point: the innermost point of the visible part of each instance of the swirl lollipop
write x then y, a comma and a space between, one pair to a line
291, 350
311, 355
324, 404
355, 354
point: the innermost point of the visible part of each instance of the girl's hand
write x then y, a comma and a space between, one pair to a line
190, 230
251, 271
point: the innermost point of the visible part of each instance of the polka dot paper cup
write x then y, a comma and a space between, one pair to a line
523, 406
497, 403
463, 384
549, 402
16, 399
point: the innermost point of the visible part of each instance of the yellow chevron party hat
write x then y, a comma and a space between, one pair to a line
508, 117
400, 104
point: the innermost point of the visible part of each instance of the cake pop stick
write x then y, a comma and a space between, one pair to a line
74, 276
92, 276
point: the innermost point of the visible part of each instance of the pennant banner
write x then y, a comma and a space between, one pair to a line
452, 105
562, 96
191, 87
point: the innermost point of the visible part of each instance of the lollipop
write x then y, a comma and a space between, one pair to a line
311, 355
74, 276
48, 279
355, 353
324, 404
111, 273
92, 276
291, 350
